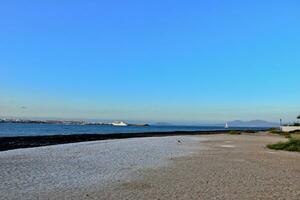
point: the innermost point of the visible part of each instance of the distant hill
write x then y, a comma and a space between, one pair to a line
252, 123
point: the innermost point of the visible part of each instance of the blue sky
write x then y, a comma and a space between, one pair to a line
184, 61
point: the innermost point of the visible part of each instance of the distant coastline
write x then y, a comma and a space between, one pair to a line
235, 123
69, 122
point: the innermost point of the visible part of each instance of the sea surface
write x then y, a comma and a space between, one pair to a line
19, 129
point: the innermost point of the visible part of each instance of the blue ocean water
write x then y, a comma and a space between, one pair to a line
19, 129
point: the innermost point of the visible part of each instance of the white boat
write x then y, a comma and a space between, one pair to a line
226, 125
119, 124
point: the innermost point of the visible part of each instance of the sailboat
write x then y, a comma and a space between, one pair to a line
226, 125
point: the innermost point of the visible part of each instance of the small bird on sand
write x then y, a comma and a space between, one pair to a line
179, 142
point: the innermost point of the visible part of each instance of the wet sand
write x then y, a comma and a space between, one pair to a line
17, 142
199, 167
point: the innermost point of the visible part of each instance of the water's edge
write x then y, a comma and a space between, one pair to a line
9, 143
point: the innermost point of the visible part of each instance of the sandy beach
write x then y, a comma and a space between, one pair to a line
198, 167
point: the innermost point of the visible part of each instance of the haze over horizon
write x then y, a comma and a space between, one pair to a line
151, 122
150, 61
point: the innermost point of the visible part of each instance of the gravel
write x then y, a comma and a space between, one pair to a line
199, 167
71, 170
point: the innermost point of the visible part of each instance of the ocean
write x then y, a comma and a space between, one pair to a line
22, 129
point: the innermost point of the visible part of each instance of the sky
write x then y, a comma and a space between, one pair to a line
159, 60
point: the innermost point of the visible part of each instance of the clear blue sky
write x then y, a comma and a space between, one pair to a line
186, 61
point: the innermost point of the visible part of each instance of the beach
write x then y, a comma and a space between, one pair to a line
219, 166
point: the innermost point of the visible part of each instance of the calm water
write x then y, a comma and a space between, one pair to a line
13, 129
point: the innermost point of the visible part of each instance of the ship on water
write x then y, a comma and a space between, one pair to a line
119, 124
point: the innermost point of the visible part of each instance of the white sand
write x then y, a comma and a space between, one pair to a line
61, 171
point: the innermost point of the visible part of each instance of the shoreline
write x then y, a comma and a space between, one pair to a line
77, 170
215, 166
17, 142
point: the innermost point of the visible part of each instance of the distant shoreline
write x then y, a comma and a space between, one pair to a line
17, 142
66, 122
